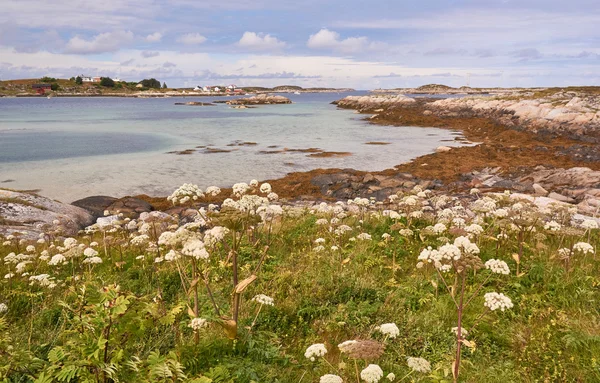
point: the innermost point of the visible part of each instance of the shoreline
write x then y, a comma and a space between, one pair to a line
516, 158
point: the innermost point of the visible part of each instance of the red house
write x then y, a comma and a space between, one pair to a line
41, 88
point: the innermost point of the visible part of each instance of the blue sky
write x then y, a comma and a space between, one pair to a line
359, 44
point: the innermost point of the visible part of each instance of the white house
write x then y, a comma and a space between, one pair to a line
217, 89
232, 87
205, 89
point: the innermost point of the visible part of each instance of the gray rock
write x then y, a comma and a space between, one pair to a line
32, 214
560, 197
96, 205
539, 190
130, 207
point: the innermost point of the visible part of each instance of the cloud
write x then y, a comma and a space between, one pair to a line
527, 54
260, 42
126, 62
103, 42
154, 37
148, 54
276, 75
484, 53
326, 39
168, 64
191, 39
445, 52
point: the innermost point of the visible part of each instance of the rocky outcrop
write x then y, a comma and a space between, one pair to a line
373, 101
564, 113
345, 185
30, 215
95, 205
261, 99
195, 103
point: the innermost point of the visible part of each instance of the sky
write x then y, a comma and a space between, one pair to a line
362, 44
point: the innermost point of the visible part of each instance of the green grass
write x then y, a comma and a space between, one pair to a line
551, 334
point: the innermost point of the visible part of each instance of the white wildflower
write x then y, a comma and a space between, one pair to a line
314, 351
89, 252
3, 308
372, 373
552, 226
497, 266
195, 248
364, 237
391, 377
213, 190
419, 365
265, 188
57, 259
439, 228
583, 248
241, 188
496, 301
589, 224
389, 329
264, 300
93, 260
344, 345
198, 323
330, 378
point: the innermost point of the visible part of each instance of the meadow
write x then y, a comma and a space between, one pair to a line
421, 287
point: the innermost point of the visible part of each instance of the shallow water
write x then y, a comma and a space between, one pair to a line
70, 148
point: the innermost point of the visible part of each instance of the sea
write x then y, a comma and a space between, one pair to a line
75, 147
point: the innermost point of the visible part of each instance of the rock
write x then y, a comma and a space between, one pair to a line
442, 149
368, 178
130, 207
261, 99
427, 113
32, 214
96, 205
373, 101
195, 103
154, 216
560, 197
539, 190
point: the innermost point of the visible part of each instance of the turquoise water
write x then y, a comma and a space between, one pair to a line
70, 148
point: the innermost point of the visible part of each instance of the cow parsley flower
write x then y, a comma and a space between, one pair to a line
474, 229
496, 301
195, 248
364, 237
372, 373
344, 345
93, 260
389, 329
57, 259
3, 308
552, 226
321, 221
254, 183
185, 193
272, 196
589, 224
419, 365
89, 252
198, 323
330, 378
264, 300
439, 228
406, 232
497, 266
30, 249
241, 188
583, 248
213, 191
70, 243
391, 377
314, 351
265, 188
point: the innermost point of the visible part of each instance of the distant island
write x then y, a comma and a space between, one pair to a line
86, 86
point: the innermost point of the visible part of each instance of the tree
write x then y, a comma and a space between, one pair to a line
54, 86
78, 80
164, 85
107, 82
151, 83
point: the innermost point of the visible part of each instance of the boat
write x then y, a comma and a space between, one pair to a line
296, 92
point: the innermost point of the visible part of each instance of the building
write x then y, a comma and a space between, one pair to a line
41, 88
231, 87
89, 79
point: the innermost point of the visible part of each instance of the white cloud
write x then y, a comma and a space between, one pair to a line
154, 37
148, 54
326, 39
260, 42
191, 39
103, 42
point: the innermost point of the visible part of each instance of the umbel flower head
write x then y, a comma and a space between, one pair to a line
198, 323
372, 373
263, 300
419, 365
330, 378
362, 349
314, 351
496, 301
497, 266
389, 329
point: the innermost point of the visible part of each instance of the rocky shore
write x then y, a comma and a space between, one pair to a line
545, 151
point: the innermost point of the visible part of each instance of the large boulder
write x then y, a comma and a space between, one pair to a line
130, 207
31, 214
261, 99
96, 205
